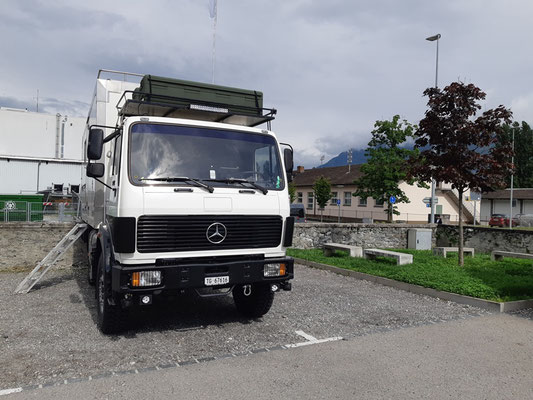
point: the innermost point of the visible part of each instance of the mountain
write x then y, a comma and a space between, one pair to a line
358, 157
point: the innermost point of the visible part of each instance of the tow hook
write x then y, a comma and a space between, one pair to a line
247, 290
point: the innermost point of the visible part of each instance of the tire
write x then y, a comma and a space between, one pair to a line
91, 261
110, 317
255, 305
91, 278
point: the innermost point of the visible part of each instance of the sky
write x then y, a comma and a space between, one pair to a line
330, 68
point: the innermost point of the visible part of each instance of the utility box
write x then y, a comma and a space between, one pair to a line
419, 239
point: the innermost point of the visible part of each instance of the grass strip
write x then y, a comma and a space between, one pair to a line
506, 280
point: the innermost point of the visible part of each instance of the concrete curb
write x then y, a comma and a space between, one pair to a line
493, 306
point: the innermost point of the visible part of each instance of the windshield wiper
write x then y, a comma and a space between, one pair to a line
185, 179
242, 182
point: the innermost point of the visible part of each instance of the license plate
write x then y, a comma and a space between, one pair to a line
216, 280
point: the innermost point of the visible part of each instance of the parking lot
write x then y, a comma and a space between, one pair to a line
49, 335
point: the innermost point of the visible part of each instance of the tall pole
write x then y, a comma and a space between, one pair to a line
437, 64
213, 13
511, 199
432, 39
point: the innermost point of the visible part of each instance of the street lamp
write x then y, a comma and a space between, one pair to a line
512, 178
433, 39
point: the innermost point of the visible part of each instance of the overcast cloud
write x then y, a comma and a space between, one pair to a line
330, 68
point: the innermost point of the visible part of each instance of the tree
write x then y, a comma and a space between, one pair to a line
387, 163
292, 192
523, 153
322, 189
459, 148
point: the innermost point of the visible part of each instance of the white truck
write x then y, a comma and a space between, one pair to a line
183, 193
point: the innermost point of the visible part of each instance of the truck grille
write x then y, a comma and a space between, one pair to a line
164, 233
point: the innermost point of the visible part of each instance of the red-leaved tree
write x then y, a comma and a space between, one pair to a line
459, 148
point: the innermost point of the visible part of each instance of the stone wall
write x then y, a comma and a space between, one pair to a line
23, 245
484, 239
393, 236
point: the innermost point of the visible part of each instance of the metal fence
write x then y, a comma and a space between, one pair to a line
24, 211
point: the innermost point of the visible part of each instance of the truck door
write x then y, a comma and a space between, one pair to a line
114, 176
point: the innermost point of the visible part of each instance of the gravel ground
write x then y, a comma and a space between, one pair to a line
528, 313
50, 333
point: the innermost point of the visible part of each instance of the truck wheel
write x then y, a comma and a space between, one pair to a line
92, 261
111, 317
257, 303
90, 270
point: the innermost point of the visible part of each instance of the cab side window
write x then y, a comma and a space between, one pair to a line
117, 149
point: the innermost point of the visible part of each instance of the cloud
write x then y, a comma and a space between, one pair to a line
12, 102
40, 16
330, 68
522, 108
48, 105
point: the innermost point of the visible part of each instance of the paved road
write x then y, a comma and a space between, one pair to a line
484, 357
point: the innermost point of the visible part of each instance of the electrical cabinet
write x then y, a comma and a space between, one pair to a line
419, 239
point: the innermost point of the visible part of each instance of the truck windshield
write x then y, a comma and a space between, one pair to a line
163, 152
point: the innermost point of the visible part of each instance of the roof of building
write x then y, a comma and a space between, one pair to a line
336, 175
519, 194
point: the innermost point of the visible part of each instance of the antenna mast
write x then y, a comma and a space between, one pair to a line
213, 14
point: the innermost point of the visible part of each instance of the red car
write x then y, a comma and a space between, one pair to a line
501, 220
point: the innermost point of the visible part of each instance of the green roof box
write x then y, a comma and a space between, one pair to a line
157, 89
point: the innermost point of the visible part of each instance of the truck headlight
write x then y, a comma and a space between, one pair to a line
273, 270
146, 278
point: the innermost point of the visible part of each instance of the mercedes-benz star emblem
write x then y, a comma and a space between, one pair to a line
216, 233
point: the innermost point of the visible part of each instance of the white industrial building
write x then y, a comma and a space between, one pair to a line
39, 150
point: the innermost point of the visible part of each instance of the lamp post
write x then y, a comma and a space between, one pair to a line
433, 39
511, 199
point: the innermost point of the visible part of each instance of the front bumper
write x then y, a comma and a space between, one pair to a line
192, 275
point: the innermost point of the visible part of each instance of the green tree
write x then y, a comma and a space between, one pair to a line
292, 192
387, 163
322, 189
523, 153
459, 148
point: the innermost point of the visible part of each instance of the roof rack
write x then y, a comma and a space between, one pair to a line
135, 103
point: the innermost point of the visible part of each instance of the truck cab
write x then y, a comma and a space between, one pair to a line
183, 195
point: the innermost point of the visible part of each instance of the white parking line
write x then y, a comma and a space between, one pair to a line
9, 391
331, 339
311, 340
306, 336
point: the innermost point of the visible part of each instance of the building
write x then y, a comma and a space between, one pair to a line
346, 207
499, 202
38, 151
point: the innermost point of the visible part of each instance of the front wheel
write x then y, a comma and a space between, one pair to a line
92, 260
91, 270
111, 316
257, 303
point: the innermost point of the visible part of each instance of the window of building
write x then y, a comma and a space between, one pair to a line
333, 198
299, 197
347, 198
362, 202
379, 202
310, 199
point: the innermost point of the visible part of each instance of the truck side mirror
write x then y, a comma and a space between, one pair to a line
95, 170
96, 144
287, 157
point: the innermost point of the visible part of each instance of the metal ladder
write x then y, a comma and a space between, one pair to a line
51, 258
